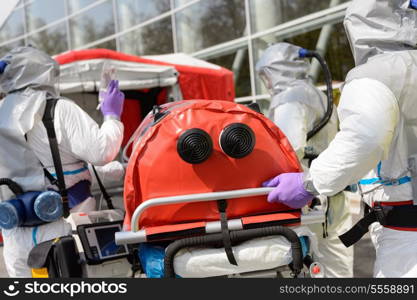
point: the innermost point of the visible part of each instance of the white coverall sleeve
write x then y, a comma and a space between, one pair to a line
369, 114
290, 117
86, 139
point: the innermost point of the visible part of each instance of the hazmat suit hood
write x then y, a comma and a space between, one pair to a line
280, 67
28, 80
29, 67
379, 26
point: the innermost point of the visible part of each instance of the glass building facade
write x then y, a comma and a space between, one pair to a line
230, 33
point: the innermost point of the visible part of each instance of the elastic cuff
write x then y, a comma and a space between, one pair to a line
111, 117
308, 184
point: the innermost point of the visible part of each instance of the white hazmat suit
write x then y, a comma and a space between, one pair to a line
28, 80
378, 127
296, 107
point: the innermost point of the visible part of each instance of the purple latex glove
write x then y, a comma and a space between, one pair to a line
289, 190
113, 100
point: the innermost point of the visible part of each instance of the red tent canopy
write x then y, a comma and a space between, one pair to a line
196, 82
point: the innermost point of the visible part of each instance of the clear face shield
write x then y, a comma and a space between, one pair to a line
267, 82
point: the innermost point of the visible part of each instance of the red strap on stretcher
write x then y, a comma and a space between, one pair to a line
173, 228
272, 217
293, 219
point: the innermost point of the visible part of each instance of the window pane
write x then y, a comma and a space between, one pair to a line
42, 12
52, 40
208, 23
178, 3
269, 13
13, 27
75, 5
92, 25
238, 62
143, 41
132, 12
106, 45
338, 56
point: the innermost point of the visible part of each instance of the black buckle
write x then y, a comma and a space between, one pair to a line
380, 214
55, 182
65, 204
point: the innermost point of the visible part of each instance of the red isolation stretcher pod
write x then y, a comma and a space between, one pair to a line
200, 146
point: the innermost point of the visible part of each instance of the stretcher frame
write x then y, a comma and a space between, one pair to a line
212, 230
140, 236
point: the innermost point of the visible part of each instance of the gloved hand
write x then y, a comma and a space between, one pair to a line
289, 190
112, 105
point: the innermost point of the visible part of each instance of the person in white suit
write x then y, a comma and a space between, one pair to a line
296, 107
28, 77
377, 141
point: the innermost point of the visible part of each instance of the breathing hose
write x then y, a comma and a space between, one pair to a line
13, 186
328, 77
235, 237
